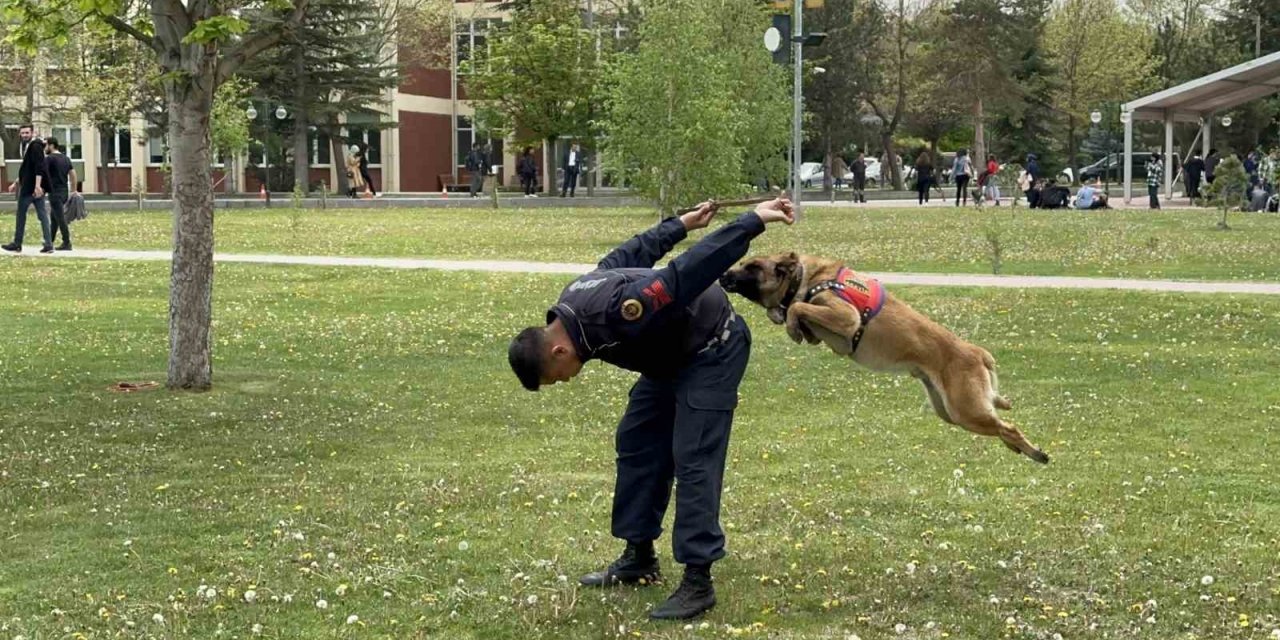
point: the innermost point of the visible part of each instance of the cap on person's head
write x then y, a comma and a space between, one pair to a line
525, 357
355, 148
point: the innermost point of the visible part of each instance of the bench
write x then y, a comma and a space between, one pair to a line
462, 184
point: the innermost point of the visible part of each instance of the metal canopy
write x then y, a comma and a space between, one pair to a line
1225, 89
1197, 101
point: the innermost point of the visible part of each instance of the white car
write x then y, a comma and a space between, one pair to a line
873, 173
811, 172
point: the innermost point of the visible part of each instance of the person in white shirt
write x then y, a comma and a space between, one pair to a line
572, 165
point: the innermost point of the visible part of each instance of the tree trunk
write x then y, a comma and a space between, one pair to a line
338, 152
979, 135
191, 282
548, 165
1071, 149
301, 145
891, 159
826, 174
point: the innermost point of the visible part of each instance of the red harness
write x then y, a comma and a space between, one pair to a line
865, 294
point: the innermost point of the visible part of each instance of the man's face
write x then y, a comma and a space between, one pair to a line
561, 364
26, 133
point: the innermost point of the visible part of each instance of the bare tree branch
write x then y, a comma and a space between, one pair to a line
132, 31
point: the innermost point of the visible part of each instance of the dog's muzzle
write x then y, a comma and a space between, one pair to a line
729, 282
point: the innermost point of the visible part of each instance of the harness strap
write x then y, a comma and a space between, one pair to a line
839, 287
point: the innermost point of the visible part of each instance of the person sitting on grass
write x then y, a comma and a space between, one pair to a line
1090, 198
1054, 196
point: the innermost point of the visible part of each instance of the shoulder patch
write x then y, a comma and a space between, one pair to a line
632, 310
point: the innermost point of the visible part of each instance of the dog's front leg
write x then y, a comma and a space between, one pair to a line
795, 331
838, 318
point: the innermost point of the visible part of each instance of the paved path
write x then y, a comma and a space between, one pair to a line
930, 279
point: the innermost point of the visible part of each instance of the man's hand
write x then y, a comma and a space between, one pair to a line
776, 210
701, 217
39, 193
13, 188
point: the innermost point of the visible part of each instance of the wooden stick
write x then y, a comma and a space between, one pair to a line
720, 204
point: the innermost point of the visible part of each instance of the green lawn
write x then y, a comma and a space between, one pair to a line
1137, 244
366, 445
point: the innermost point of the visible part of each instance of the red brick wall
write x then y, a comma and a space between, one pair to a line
155, 180
118, 177
425, 150
426, 82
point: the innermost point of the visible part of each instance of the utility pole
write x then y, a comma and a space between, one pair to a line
1257, 35
797, 54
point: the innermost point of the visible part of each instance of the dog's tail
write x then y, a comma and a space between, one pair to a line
996, 399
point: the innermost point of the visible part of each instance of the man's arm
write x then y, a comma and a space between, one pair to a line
75, 180
642, 251
693, 271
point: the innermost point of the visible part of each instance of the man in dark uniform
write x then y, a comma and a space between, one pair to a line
676, 327
33, 180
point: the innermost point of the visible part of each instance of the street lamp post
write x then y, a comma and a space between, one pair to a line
1096, 118
252, 114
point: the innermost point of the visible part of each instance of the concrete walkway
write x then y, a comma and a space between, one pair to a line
929, 279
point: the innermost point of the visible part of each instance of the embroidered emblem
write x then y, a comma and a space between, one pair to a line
657, 295
632, 310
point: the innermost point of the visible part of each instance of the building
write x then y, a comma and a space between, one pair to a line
426, 149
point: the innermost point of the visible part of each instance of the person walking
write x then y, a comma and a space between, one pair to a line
1033, 168
572, 165
62, 183
1193, 172
1155, 177
33, 179
355, 178
364, 170
527, 168
838, 169
676, 327
1211, 165
477, 165
991, 190
924, 176
859, 170
961, 171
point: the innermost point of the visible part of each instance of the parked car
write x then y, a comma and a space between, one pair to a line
1114, 163
811, 172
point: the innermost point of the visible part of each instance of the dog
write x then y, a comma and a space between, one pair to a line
822, 301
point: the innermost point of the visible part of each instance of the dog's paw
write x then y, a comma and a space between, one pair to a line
777, 316
810, 337
796, 334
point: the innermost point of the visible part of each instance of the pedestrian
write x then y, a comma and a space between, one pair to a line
33, 179
961, 171
1211, 165
838, 169
991, 190
62, 183
1030, 188
572, 164
355, 177
1155, 177
1033, 168
677, 328
1267, 170
924, 176
859, 169
364, 171
527, 168
477, 166
1251, 164
1193, 172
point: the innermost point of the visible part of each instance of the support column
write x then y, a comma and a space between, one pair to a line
1206, 128
89, 150
1128, 159
1168, 155
138, 167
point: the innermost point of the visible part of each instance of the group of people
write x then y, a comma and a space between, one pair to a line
46, 181
359, 180
962, 171
572, 163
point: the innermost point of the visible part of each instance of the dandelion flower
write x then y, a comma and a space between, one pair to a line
341, 590
1206, 581
287, 598
353, 618
531, 600
157, 618
464, 545
902, 628
322, 604
256, 629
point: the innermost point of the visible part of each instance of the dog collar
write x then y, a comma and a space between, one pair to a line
793, 290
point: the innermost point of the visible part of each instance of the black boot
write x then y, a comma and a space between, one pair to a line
638, 564
695, 596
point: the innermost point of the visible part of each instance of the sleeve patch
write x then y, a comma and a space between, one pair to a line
657, 295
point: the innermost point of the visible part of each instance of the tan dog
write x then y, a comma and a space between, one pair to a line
820, 300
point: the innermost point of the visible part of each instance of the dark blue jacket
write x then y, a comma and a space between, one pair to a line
681, 306
33, 164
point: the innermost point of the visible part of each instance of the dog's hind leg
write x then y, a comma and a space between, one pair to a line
968, 397
998, 400
935, 398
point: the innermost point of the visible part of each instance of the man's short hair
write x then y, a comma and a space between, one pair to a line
525, 356
52, 142
27, 126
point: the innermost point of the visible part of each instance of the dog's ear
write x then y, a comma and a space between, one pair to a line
787, 265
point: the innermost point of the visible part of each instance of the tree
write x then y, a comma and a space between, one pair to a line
830, 97
697, 103
976, 61
1229, 189
1026, 123
538, 76
1105, 63
198, 44
338, 61
879, 68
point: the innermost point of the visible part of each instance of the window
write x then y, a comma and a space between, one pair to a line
359, 131
321, 149
69, 139
117, 148
12, 145
466, 138
473, 36
155, 151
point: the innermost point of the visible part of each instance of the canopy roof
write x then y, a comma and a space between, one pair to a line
1200, 98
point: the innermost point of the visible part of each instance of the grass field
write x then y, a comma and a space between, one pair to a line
366, 446
1137, 244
